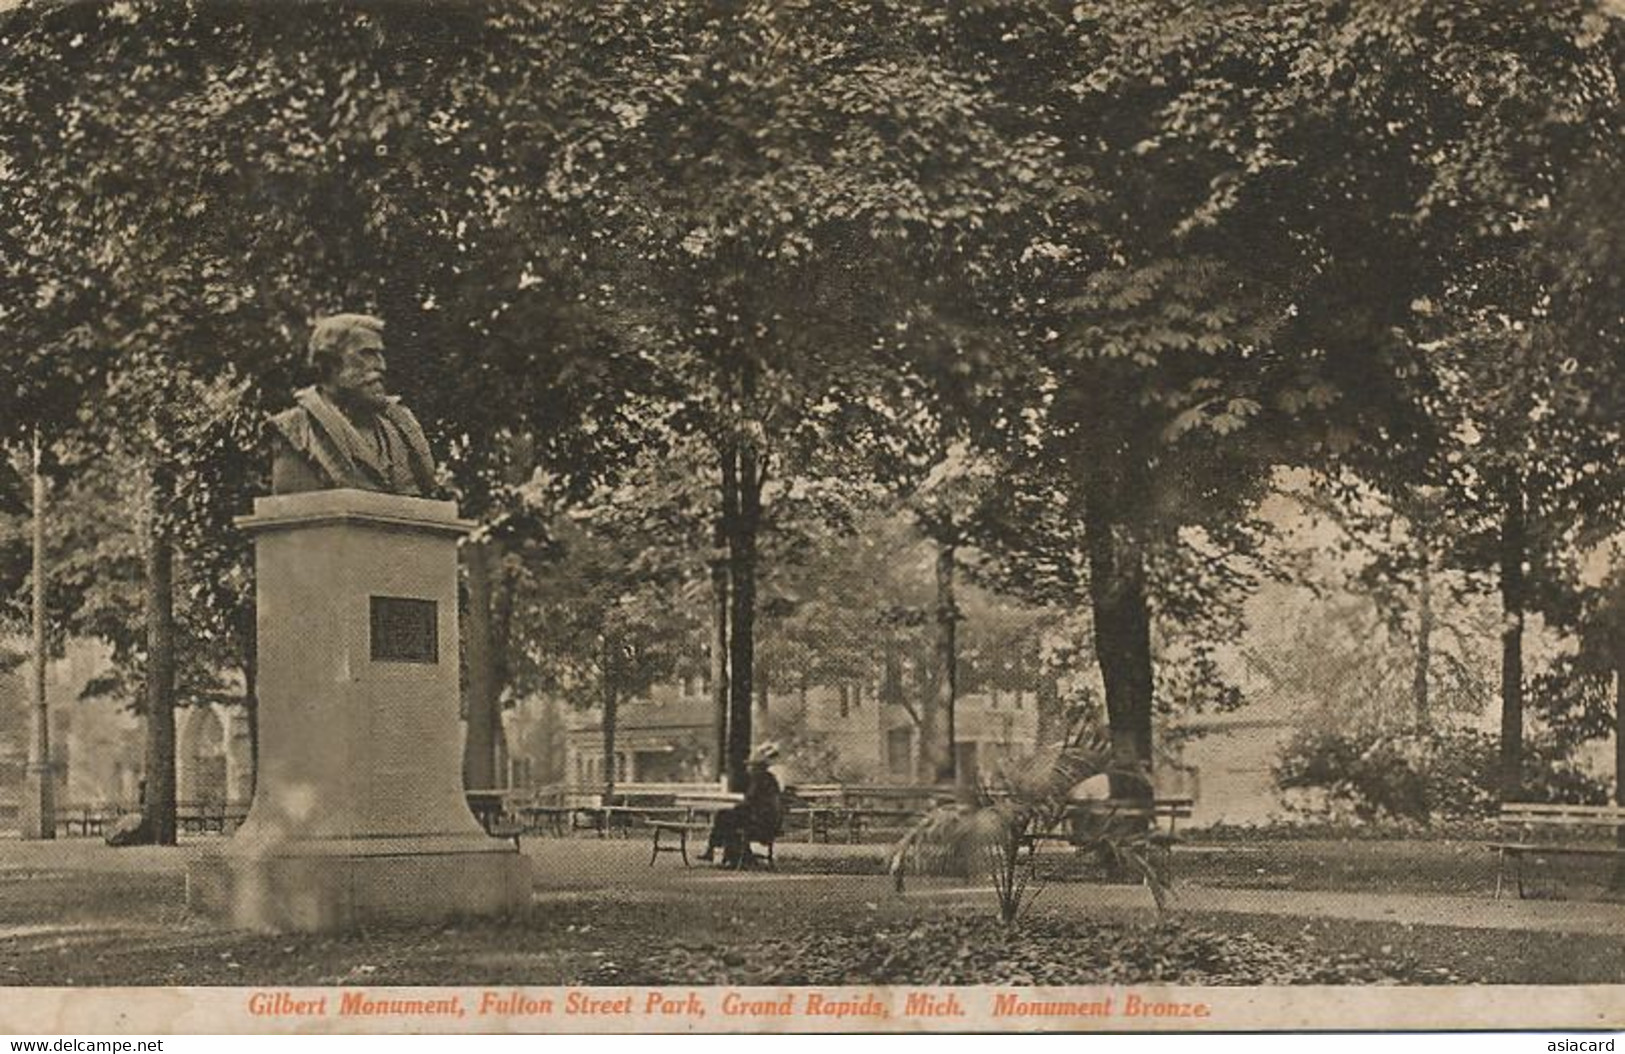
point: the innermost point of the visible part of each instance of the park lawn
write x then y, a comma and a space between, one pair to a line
1449, 866
74, 928
1474, 956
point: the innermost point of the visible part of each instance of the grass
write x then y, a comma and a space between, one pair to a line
116, 927
1452, 866
1471, 956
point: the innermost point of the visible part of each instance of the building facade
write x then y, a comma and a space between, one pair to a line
833, 733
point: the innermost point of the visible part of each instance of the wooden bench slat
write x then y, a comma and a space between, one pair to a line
1541, 810
1527, 817
1558, 849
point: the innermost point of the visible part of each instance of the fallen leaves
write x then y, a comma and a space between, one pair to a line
977, 950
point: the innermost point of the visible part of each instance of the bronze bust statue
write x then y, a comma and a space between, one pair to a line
347, 430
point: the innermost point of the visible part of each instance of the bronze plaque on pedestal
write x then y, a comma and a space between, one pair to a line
404, 630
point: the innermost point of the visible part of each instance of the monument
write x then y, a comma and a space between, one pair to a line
358, 813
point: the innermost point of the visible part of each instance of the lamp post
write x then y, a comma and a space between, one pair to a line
39, 805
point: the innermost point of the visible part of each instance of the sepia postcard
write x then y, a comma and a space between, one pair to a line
801, 516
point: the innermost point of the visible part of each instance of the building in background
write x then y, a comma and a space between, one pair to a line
826, 734
98, 745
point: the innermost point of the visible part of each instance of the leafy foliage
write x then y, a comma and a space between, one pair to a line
1421, 775
1075, 280
993, 829
1062, 953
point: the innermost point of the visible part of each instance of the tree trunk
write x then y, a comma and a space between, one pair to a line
1048, 704
483, 712
1514, 542
926, 760
38, 812
719, 666
1421, 674
742, 615
158, 807
503, 589
722, 628
248, 634
606, 666
891, 678
1619, 767
251, 698
1122, 623
946, 654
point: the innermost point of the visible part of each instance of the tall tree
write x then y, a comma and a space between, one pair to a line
754, 170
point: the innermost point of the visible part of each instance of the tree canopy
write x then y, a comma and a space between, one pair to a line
1071, 283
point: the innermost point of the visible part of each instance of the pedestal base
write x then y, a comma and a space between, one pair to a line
320, 886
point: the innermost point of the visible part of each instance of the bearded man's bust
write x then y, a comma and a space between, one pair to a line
347, 430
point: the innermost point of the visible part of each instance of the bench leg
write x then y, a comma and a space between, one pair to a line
681, 847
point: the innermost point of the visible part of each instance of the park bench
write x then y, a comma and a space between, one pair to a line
494, 810
619, 816
893, 808
862, 809
208, 817
1086, 819
537, 818
90, 819
541, 810
698, 813
578, 808
1528, 818
489, 808
820, 809
191, 817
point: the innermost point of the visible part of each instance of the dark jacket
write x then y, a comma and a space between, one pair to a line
763, 815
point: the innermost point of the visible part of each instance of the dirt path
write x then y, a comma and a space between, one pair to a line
577, 869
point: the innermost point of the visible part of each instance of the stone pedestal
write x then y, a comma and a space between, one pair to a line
358, 814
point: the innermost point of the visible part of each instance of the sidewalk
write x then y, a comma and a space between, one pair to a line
1408, 909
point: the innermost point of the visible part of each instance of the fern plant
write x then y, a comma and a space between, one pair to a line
999, 823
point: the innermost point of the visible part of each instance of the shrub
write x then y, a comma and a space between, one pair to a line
991, 828
1420, 775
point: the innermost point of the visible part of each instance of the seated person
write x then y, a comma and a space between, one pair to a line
755, 818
